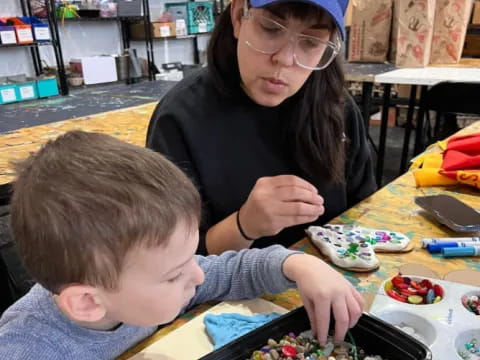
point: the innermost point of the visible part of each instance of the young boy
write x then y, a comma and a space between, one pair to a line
109, 232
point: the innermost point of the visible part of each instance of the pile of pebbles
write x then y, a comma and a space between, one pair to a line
306, 347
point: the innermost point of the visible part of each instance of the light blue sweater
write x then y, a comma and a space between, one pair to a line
34, 327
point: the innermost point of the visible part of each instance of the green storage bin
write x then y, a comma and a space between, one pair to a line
200, 17
27, 91
8, 93
47, 87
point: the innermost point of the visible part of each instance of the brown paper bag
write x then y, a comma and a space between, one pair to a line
412, 32
370, 30
449, 30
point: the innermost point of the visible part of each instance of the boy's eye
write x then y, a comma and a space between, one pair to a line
172, 280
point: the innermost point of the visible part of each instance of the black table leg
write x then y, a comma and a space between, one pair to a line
419, 144
367, 88
408, 128
383, 133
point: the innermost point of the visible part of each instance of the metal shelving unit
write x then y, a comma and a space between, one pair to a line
41, 43
54, 42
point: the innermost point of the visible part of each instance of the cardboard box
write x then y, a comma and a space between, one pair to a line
163, 30
370, 30
412, 32
476, 13
449, 30
472, 45
159, 30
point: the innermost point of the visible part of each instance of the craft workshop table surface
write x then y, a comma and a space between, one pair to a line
391, 208
128, 124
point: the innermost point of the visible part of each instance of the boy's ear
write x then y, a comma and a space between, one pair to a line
236, 13
81, 303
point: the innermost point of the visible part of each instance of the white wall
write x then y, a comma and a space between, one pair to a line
92, 38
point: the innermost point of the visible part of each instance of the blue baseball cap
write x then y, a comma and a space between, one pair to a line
335, 8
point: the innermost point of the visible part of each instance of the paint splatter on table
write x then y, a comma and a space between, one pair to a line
128, 124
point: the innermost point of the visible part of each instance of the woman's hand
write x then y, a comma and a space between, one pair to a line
279, 202
323, 289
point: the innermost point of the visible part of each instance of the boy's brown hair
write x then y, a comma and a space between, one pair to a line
85, 199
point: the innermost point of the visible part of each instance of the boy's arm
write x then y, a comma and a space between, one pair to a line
245, 274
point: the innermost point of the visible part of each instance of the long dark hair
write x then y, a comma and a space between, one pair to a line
315, 121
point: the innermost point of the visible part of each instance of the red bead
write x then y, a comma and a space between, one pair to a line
396, 296
288, 350
415, 285
423, 291
397, 281
427, 283
408, 292
438, 290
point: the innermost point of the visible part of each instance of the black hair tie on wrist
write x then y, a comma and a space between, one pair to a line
240, 227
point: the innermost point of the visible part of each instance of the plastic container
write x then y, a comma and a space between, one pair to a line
8, 93
23, 31
47, 87
445, 326
27, 91
41, 30
127, 8
200, 17
178, 10
373, 335
7, 33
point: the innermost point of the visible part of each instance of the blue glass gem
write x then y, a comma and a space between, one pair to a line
430, 296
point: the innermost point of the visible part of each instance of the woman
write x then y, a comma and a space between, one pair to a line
267, 131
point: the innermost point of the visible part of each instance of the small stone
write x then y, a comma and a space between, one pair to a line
274, 354
408, 330
271, 342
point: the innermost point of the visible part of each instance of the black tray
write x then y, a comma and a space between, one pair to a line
373, 335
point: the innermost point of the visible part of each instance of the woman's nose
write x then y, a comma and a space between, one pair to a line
285, 56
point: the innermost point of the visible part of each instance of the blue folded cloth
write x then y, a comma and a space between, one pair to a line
224, 328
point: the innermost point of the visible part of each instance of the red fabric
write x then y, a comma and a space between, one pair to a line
456, 160
469, 144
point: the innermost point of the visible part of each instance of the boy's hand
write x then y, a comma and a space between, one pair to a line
278, 202
321, 289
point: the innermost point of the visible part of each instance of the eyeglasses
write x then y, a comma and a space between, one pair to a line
268, 37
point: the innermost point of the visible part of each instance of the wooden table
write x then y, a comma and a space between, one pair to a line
391, 208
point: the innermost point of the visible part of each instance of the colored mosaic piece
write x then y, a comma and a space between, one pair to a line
471, 350
381, 240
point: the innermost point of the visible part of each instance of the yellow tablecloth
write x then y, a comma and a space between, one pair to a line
128, 124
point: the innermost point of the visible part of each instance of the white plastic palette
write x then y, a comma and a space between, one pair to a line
446, 326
